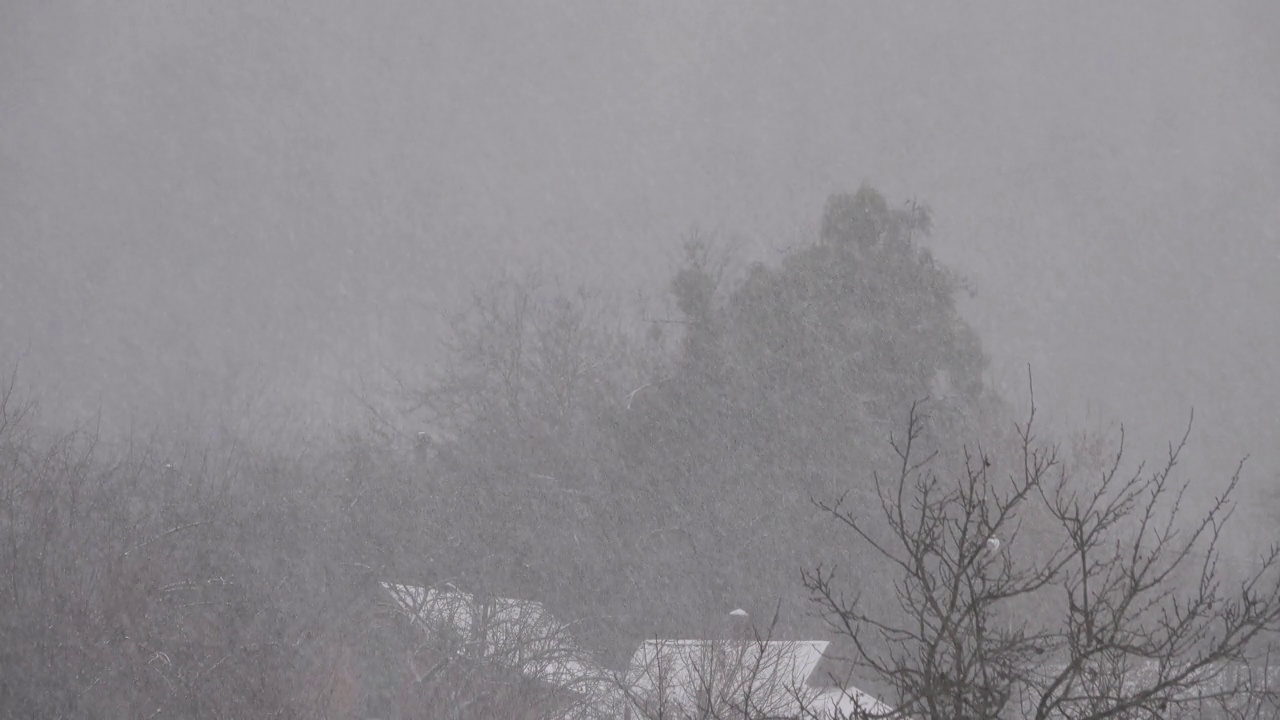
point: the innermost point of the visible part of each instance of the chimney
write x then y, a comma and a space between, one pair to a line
421, 446
739, 627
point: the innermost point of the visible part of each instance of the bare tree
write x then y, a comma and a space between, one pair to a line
1044, 595
478, 657
122, 594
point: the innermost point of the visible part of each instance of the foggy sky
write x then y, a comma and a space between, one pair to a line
198, 197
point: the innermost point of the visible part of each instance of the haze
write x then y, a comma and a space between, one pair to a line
205, 200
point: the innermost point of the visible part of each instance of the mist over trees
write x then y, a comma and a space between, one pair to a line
679, 461
634, 472
632, 477
359, 360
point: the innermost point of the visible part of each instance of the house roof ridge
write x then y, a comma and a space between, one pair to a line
736, 639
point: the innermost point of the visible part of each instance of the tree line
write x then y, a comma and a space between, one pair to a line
812, 435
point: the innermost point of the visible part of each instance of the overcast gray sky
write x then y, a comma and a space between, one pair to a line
188, 190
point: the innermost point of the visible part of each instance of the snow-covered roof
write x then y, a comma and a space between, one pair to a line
845, 703
512, 632
772, 677
777, 675
787, 661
